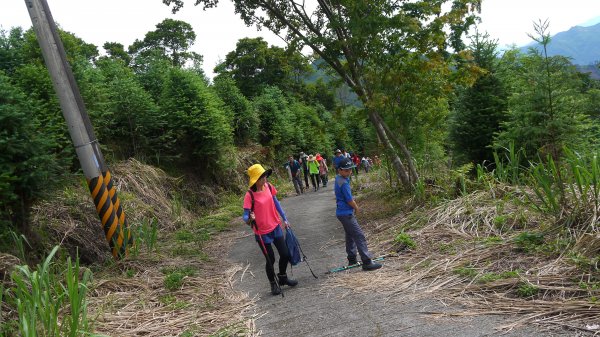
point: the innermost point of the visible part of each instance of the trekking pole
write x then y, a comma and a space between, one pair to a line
271, 263
304, 258
358, 264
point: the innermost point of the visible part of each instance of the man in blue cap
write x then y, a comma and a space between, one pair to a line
346, 211
337, 159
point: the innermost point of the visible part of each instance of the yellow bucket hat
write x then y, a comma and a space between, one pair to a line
255, 172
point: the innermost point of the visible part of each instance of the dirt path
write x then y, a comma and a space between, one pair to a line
313, 310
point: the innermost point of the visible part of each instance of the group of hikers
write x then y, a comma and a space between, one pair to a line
315, 167
264, 214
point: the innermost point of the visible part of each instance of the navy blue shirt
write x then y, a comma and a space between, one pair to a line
294, 167
337, 160
343, 195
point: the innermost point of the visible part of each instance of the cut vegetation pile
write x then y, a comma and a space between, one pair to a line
491, 252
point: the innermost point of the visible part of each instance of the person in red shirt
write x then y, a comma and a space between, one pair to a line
356, 160
262, 212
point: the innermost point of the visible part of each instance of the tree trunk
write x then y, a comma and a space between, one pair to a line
414, 176
383, 137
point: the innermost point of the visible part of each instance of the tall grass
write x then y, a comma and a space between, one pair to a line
570, 190
19, 240
508, 168
547, 186
47, 304
146, 234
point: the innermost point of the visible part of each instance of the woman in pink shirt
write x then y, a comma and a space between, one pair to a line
262, 211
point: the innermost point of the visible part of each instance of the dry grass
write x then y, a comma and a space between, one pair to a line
141, 305
131, 297
467, 253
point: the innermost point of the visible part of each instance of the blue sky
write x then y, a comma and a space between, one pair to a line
98, 21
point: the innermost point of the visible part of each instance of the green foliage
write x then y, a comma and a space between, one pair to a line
171, 40
529, 241
173, 281
583, 180
548, 187
244, 119
145, 233
527, 289
26, 164
174, 276
117, 51
11, 43
405, 240
491, 277
277, 129
547, 108
568, 188
479, 109
254, 65
40, 298
18, 240
131, 123
495, 240
203, 133
469, 272
508, 168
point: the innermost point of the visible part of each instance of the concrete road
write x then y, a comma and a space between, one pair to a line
311, 310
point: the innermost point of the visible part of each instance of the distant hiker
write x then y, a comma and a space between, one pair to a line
260, 212
377, 161
323, 169
356, 161
365, 163
294, 167
303, 159
337, 159
313, 169
346, 211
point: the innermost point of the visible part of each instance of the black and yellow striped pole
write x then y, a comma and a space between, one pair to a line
80, 129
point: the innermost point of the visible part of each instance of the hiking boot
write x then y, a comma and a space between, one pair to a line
352, 260
369, 265
283, 280
275, 289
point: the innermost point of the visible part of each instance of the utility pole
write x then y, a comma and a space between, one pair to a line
80, 128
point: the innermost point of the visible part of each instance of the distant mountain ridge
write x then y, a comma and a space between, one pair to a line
581, 44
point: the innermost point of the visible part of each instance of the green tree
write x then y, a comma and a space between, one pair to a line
277, 129
352, 37
245, 120
480, 109
11, 46
27, 167
254, 65
116, 50
131, 123
34, 80
172, 40
547, 109
203, 135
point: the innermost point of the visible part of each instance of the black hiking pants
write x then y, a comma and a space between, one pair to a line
306, 177
270, 259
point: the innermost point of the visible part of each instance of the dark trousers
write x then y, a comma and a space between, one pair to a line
306, 177
315, 181
270, 258
324, 179
298, 183
355, 238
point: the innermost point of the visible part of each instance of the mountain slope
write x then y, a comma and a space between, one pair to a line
581, 44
